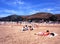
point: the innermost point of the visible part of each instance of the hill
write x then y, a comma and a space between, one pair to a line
12, 18
58, 16
34, 17
39, 16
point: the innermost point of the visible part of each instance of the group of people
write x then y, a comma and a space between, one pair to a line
25, 28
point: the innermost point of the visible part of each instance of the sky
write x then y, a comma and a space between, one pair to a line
28, 7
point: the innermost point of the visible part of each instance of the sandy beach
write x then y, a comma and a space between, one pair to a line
13, 34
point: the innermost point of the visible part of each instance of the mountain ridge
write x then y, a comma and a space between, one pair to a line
37, 16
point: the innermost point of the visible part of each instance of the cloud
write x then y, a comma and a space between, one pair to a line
29, 12
4, 15
33, 12
50, 10
47, 10
6, 11
56, 12
20, 2
15, 2
19, 12
24, 8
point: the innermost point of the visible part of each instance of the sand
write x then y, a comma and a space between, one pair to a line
13, 34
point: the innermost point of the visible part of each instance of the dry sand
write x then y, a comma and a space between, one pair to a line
12, 34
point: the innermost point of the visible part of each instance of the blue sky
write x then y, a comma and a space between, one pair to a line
28, 7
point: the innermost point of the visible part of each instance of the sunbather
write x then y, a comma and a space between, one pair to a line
43, 33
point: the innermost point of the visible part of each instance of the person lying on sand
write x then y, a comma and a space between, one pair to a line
45, 33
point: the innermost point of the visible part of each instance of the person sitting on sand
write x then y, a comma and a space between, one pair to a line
30, 28
25, 28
